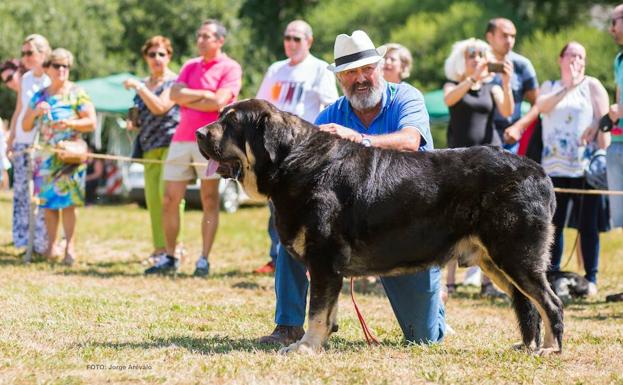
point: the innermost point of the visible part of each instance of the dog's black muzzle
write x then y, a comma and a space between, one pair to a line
207, 145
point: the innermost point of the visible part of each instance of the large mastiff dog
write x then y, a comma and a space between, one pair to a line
349, 210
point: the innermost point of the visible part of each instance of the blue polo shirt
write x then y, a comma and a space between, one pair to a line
401, 106
523, 79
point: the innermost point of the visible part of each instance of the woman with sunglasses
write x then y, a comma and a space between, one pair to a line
158, 116
35, 50
11, 74
571, 108
472, 99
61, 112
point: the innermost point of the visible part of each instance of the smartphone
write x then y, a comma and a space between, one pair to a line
495, 67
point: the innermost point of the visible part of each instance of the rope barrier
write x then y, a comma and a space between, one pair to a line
113, 157
590, 192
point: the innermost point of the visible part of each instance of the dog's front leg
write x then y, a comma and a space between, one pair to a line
325, 288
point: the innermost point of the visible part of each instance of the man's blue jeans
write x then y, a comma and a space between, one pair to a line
272, 234
414, 298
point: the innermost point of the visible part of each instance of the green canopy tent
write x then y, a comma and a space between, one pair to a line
112, 102
108, 93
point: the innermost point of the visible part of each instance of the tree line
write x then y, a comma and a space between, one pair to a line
106, 35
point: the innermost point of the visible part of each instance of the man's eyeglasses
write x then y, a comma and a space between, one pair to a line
58, 66
27, 53
295, 39
154, 54
614, 20
473, 52
8, 78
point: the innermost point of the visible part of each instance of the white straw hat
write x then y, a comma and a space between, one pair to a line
354, 51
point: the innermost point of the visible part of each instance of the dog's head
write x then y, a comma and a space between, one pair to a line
249, 140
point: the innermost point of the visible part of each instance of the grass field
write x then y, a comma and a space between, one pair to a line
102, 321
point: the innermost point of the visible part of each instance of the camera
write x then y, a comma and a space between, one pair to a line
495, 67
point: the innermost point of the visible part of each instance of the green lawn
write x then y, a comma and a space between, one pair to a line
91, 322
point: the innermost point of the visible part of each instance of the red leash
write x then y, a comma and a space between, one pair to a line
370, 338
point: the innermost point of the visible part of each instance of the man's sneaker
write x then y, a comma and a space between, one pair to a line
283, 335
488, 290
202, 268
592, 289
268, 268
166, 265
155, 258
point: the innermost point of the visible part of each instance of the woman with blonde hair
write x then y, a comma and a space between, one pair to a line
472, 99
397, 64
62, 112
35, 51
158, 116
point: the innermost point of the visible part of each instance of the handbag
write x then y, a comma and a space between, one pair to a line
72, 151
595, 167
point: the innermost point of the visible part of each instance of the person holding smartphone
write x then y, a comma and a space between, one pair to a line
472, 99
501, 34
156, 116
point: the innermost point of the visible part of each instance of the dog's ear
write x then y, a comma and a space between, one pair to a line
277, 133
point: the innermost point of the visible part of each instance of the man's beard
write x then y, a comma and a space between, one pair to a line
368, 100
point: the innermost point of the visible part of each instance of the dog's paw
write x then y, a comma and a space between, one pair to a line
299, 347
521, 347
547, 351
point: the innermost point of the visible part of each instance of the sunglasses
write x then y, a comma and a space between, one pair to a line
27, 53
295, 39
8, 78
154, 54
58, 66
473, 52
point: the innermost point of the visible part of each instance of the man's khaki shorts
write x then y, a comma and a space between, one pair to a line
184, 153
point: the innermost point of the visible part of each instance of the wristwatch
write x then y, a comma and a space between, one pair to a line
365, 140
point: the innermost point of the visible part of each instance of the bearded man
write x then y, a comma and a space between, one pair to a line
374, 113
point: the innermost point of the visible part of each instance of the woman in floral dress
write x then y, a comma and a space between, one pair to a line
60, 112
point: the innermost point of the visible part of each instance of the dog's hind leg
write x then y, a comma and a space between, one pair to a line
529, 321
533, 284
527, 315
325, 288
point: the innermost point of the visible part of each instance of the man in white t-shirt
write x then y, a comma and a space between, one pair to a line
300, 84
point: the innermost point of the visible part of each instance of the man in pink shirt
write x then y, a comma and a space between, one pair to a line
204, 86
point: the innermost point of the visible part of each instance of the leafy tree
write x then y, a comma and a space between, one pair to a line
72, 24
178, 21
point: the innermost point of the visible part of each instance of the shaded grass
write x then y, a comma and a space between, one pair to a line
91, 322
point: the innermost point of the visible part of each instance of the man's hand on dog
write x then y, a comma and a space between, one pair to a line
341, 131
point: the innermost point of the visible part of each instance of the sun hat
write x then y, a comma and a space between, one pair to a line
354, 51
